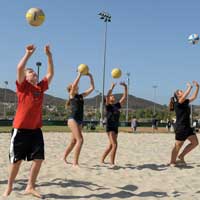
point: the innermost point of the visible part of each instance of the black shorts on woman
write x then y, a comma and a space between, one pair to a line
183, 129
182, 133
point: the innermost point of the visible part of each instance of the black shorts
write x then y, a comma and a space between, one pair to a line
78, 121
182, 134
26, 144
112, 128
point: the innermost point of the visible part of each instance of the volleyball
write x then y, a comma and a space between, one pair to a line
35, 16
83, 69
116, 73
193, 38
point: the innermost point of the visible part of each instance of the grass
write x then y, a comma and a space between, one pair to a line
6, 129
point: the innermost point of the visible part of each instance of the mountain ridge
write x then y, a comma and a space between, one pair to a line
9, 96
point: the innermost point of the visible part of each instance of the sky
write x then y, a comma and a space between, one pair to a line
147, 38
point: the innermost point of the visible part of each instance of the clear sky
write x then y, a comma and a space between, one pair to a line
147, 38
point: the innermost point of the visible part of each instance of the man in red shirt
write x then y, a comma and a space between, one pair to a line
27, 140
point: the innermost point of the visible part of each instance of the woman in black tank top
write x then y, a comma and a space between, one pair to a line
180, 104
75, 105
112, 122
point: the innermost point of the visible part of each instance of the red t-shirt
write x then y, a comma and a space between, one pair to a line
29, 109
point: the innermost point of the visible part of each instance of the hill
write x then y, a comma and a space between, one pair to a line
134, 102
9, 96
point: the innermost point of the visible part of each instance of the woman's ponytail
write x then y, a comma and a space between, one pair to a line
171, 104
67, 104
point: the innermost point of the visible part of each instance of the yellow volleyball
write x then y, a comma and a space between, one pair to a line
83, 69
35, 16
116, 73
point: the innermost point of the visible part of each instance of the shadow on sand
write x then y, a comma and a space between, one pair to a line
125, 192
154, 167
72, 183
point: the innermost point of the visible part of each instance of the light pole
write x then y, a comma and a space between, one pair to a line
127, 101
107, 18
98, 93
39, 64
4, 110
154, 104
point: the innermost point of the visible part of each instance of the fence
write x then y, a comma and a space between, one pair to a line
64, 123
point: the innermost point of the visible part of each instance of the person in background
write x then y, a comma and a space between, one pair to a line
154, 124
134, 124
169, 124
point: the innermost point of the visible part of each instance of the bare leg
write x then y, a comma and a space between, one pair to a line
30, 188
175, 151
77, 134
193, 143
78, 146
113, 138
14, 169
107, 151
69, 149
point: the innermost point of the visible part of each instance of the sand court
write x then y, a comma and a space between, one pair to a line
141, 171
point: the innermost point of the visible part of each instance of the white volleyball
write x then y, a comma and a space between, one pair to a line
193, 38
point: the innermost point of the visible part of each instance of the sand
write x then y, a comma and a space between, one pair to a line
141, 171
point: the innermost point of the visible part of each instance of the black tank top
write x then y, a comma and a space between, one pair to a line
182, 111
76, 107
113, 114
